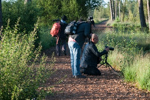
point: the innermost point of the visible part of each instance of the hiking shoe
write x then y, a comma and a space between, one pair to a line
82, 70
58, 54
64, 52
79, 76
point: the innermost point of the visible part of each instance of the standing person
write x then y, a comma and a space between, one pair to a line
75, 43
92, 57
61, 38
89, 20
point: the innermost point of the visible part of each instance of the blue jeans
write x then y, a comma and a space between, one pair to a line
75, 52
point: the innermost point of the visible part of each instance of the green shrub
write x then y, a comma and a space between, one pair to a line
126, 27
130, 55
142, 70
45, 38
23, 70
28, 14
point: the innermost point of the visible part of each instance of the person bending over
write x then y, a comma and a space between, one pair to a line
75, 43
92, 57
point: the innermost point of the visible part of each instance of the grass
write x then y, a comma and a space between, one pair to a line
131, 54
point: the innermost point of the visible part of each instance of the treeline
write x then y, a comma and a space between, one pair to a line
133, 11
121, 10
46, 10
42, 12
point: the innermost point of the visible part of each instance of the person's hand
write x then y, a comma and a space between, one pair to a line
100, 59
107, 49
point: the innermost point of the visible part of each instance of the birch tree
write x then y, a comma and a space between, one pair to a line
119, 10
148, 11
116, 6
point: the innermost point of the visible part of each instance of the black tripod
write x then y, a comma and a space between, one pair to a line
104, 62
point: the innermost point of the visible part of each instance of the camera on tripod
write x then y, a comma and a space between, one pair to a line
110, 48
104, 60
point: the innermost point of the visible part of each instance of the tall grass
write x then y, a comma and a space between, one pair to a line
131, 55
139, 72
22, 68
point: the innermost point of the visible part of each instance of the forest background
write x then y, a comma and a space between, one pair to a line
25, 27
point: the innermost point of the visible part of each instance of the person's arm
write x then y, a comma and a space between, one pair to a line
93, 48
87, 30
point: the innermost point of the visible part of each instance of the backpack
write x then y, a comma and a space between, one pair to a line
55, 29
71, 28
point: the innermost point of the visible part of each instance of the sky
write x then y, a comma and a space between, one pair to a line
106, 1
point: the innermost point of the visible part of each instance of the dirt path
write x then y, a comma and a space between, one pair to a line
108, 86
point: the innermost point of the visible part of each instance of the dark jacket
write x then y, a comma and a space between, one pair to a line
61, 33
83, 31
91, 56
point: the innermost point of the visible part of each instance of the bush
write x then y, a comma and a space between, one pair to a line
130, 55
12, 10
22, 72
45, 38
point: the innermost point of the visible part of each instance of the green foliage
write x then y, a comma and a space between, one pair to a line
129, 74
139, 72
73, 9
126, 27
45, 11
51, 10
117, 19
101, 12
45, 38
129, 55
131, 11
26, 12
23, 69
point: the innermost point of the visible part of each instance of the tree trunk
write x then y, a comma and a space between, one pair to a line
1, 24
148, 11
119, 10
111, 13
116, 8
123, 9
112, 9
141, 13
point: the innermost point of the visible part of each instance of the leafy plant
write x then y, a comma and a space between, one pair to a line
23, 69
129, 55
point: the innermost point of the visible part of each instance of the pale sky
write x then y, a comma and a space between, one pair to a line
106, 1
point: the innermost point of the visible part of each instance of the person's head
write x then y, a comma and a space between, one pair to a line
94, 38
90, 18
64, 18
91, 21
